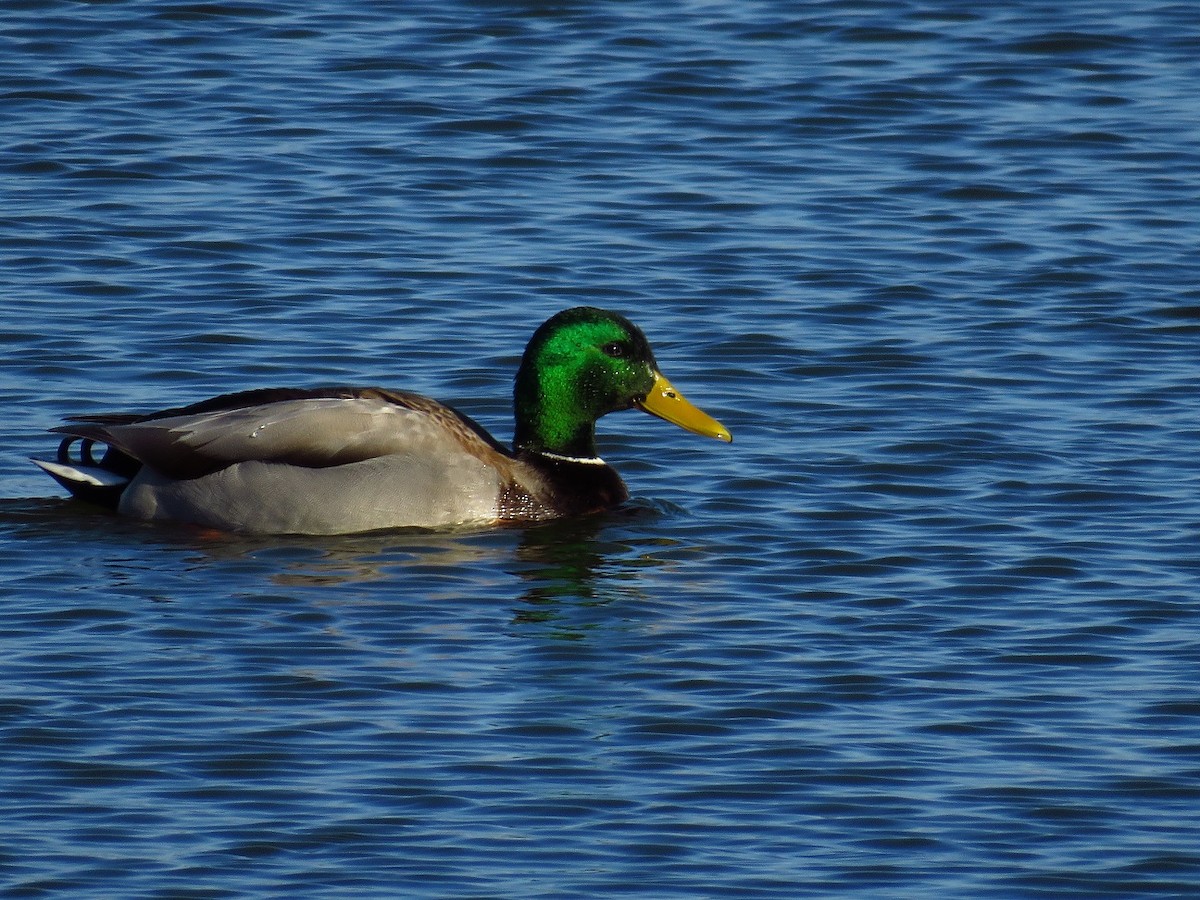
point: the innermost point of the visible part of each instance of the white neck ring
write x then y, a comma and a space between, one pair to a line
583, 460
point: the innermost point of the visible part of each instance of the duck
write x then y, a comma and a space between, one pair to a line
340, 460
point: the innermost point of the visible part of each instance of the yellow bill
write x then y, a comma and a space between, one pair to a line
667, 403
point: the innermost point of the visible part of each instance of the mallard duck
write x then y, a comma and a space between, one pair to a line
346, 459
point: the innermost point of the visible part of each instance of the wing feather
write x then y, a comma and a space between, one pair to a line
299, 428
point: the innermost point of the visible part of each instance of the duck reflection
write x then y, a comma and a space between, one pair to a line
574, 564
559, 562
554, 574
564, 561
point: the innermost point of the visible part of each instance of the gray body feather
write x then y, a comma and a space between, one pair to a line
308, 464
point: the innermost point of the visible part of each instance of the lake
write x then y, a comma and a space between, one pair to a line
929, 627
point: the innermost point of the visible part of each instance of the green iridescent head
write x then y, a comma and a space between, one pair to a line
582, 364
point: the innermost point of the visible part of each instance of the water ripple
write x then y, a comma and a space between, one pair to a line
926, 628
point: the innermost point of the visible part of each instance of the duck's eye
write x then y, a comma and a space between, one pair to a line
615, 349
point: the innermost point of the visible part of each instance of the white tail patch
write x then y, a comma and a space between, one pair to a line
90, 475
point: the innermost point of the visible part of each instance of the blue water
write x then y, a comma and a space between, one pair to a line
930, 627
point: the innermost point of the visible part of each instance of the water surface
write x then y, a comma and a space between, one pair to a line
929, 627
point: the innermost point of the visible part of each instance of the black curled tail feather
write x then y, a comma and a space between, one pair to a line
85, 451
113, 460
